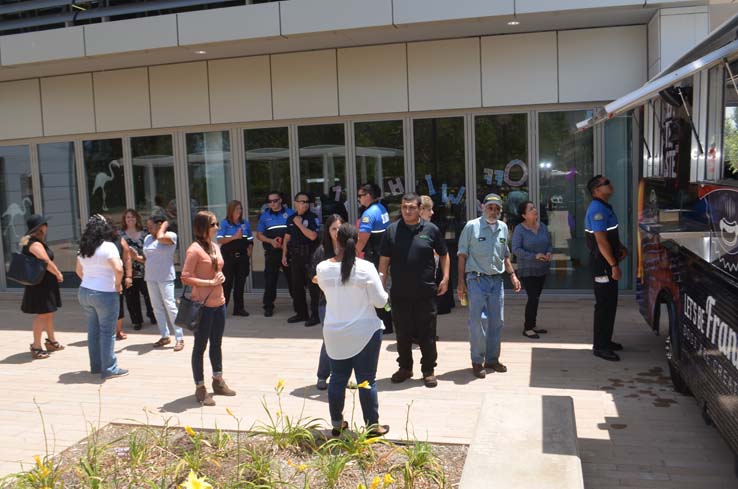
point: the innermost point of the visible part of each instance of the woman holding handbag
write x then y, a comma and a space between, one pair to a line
203, 271
44, 298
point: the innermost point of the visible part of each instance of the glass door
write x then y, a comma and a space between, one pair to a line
440, 172
565, 164
267, 170
322, 151
106, 190
209, 172
380, 159
16, 198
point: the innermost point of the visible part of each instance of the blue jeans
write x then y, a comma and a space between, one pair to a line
212, 326
364, 365
324, 363
101, 309
486, 294
165, 308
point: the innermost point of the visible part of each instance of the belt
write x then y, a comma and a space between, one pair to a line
479, 274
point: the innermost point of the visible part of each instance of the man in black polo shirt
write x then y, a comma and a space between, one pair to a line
407, 253
300, 241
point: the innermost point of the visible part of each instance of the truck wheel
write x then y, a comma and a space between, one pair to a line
673, 351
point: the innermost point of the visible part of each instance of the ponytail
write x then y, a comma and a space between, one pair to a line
347, 237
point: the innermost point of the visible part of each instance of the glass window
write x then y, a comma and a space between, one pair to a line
501, 161
675, 133
209, 171
380, 159
267, 169
715, 113
61, 205
730, 126
323, 167
106, 190
16, 197
153, 177
566, 163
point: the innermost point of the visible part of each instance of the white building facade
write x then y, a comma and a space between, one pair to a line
185, 111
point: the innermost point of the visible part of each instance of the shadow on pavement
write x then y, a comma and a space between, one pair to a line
18, 358
80, 377
185, 403
141, 348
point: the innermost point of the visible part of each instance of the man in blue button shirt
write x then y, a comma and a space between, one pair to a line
483, 257
605, 251
373, 223
270, 231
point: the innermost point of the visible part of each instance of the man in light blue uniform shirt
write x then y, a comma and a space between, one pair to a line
483, 257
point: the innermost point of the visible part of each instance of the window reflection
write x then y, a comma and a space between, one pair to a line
61, 205
209, 171
16, 197
323, 168
153, 177
380, 159
106, 191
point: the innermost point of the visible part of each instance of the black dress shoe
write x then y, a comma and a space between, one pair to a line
138, 326
152, 319
312, 322
268, 313
388, 331
242, 312
616, 346
296, 319
608, 355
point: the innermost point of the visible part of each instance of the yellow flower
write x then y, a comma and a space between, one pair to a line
228, 410
38, 460
375, 482
364, 385
372, 440
302, 468
388, 479
361, 486
193, 482
278, 414
290, 463
190, 431
280, 386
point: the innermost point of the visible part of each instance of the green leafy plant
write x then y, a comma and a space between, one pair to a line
285, 430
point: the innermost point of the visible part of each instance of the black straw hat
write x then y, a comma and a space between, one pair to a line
34, 222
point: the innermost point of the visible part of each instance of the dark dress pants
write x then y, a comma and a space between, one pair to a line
272, 264
300, 272
415, 319
235, 269
606, 306
133, 301
533, 286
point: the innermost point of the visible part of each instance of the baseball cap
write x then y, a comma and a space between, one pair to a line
493, 199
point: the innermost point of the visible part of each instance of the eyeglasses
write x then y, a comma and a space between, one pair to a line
361, 195
213, 224
273, 201
603, 183
302, 202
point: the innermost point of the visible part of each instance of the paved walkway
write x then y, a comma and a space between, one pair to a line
634, 431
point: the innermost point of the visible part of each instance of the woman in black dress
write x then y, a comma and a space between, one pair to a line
44, 298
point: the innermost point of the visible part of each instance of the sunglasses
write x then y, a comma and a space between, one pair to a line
302, 202
603, 183
273, 201
361, 195
213, 224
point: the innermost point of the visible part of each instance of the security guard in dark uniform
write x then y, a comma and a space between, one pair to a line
270, 231
373, 223
236, 243
299, 244
605, 251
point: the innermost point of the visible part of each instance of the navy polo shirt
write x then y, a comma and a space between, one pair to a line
374, 220
601, 217
274, 224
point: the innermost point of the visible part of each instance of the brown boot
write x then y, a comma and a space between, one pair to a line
401, 375
220, 388
202, 396
479, 371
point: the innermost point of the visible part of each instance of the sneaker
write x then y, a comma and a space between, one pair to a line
496, 366
430, 380
479, 371
401, 375
121, 372
203, 397
322, 384
220, 388
297, 318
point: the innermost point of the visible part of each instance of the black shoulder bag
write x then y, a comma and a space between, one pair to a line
189, 313
26, 269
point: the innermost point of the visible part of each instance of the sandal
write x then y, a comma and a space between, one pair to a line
120, 335
378, 430
53, 345
529, 333
162, 341
38, 353
179, 346
338, 431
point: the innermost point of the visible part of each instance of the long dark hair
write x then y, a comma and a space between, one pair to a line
328, 251
347, 237
201, 230
232, 207
98, 230
523, 207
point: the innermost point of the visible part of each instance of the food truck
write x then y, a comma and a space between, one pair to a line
687, 215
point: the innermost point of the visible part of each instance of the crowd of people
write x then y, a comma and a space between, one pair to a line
363, 281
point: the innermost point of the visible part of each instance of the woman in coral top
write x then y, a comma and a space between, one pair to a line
203, 271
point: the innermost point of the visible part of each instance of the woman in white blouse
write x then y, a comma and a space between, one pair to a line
352, 330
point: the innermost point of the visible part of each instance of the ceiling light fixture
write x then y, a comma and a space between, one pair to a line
513, 22
200, 51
